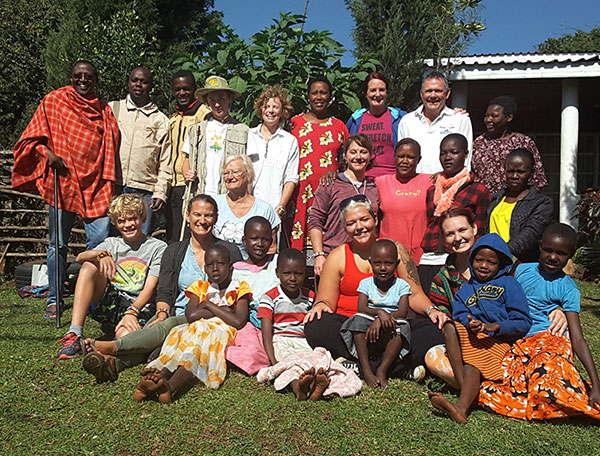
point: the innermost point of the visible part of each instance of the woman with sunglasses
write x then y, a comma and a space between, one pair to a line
326, 231
337, 298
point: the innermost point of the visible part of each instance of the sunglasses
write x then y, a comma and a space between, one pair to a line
360, 198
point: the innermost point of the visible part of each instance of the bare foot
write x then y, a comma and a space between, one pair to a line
371, 379
322, 382
303, 386
450, 409
382, 377
152, 385
106, 347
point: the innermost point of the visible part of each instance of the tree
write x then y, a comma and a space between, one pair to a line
284, 54
24, 27
402, 34
580, 41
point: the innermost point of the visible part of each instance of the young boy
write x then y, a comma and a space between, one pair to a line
490, 312
550, 386
282, 309
217, 308
118, 278
380, 323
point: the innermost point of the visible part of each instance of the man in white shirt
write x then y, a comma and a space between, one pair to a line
432, 121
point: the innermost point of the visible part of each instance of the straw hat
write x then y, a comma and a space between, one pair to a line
215, 83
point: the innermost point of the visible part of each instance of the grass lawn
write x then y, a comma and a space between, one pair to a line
51, 407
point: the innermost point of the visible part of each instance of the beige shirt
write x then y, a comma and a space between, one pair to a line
144, 156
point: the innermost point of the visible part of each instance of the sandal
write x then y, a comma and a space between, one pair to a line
50, 312
102, 368
88, 346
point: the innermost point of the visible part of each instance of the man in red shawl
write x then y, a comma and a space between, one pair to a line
76, 135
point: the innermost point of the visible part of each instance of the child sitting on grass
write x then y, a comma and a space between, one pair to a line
117, 279
380, 323
216, 310
541, 381
294, 364
490, 312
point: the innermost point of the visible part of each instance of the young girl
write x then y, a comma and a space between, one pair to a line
490, 311
380, 323
216, 310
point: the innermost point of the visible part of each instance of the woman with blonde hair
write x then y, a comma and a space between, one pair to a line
274, 151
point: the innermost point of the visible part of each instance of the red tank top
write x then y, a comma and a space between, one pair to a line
348, 301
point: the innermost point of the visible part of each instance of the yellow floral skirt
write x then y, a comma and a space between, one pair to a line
198, 347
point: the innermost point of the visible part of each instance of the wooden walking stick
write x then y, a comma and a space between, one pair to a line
57, 278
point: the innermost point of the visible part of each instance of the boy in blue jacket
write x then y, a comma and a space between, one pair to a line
490, 311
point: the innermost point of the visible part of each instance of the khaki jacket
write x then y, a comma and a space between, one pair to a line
180, 123
144, 156
236, 139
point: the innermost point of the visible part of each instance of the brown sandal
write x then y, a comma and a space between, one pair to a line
102, 368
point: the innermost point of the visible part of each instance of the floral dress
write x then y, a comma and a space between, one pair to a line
200, 346
319, 145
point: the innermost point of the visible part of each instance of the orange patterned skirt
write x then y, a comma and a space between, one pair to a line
482, 351
540, 382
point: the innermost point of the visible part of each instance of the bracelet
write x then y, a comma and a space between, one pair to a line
132, 310
318, 254
162, 310
430, 308
103, 254
279, 209
319, 302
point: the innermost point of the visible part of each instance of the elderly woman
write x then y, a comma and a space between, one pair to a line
337, 296
403, 199
491, 148
274, 151
326, 231
320, 138
379, 122
238, 204
182, 264
519, 213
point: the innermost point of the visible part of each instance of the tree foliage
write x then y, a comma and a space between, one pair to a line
282, 53
402, 34
580, 41
40, 41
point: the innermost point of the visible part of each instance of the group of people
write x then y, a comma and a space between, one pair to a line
427, 248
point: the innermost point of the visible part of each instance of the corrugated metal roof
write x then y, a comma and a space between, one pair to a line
496, 59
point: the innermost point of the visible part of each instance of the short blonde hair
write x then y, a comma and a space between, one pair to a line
246, 163
126, 204
275, 91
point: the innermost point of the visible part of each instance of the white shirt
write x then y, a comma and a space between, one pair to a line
429, 136
275, 163
215, 143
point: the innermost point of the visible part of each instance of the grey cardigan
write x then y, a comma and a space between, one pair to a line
529, 219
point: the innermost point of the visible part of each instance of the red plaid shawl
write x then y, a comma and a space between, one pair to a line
84, 133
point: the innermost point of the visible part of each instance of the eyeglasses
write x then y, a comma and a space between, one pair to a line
360, 198
233, 173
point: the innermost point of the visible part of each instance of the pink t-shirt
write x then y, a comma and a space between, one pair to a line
379, 130
404, 211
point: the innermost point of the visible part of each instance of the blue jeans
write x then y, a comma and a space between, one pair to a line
96, 231
147, 196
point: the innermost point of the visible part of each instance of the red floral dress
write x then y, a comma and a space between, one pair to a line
319, 145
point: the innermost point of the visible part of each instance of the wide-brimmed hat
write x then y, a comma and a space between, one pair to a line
214, 83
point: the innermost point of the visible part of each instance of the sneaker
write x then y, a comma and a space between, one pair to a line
417, 374
71, 346
351, 365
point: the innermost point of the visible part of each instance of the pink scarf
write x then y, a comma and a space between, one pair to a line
446, 188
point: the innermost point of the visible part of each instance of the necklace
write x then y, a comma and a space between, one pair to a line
356, 185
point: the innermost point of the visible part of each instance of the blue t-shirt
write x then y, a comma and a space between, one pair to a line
231, 228
190, 272
388, 301
545, 292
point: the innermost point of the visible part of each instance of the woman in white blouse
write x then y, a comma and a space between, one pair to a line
273, 151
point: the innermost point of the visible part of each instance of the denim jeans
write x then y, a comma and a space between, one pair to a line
147, 196
96, 231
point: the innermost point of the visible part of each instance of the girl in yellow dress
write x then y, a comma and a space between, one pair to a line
216, 310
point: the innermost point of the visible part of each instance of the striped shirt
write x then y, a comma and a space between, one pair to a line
286, 313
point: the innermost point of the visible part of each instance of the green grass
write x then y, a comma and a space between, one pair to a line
51, 407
